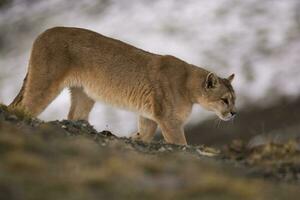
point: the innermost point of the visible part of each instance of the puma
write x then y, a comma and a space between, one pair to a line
160, 88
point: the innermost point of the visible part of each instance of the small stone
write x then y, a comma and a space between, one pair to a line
64, 126
106, 133
12, 117
170, 148
205, 153
84, 125
162, 149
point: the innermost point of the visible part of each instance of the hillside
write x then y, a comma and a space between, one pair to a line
71, 160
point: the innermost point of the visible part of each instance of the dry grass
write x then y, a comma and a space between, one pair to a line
75, 162
20, 112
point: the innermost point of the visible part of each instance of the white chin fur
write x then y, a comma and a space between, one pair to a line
227, 118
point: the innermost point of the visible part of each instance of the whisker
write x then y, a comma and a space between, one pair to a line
219, 122
216, 122
232, 121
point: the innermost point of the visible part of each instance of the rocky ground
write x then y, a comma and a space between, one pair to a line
71, 160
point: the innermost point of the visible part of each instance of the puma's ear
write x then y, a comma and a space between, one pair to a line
211, 81
230, 78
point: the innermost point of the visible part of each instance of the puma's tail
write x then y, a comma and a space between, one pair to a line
18, 99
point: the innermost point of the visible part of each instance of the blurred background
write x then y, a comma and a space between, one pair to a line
257, 40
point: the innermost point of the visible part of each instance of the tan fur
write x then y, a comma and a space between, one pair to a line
161, 89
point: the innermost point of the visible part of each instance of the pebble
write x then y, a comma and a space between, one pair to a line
103, 144
12, 117
162, 149
204, 153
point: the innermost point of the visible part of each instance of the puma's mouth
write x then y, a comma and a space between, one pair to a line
227, 117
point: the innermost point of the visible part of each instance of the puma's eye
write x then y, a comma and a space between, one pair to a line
225, 101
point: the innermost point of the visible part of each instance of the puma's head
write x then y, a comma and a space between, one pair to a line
218, 96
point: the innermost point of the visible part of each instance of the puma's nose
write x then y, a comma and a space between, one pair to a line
233, 113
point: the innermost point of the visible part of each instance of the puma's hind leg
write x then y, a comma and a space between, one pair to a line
47, 72
146, 129
81, 104
38, 94
42, 86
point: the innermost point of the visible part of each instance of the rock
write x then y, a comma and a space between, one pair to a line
206, 153
162, 149
12, 117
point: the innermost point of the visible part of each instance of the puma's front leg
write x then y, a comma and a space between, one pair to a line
146, 129
172, 131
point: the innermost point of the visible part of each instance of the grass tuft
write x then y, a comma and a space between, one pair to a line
20, 112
